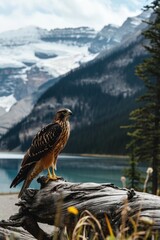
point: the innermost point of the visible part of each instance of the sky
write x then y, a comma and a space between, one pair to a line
51, 14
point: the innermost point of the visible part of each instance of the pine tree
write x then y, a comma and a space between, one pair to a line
145, 132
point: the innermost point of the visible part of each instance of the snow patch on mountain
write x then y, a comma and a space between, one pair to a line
17, 112
61, 57
22, 36
68, 57
7, 62
7, 102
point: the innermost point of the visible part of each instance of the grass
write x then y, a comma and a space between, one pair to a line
88, 227
138, 227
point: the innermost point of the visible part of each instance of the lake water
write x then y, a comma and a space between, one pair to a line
71, 168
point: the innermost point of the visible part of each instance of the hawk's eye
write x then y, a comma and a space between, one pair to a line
64, 112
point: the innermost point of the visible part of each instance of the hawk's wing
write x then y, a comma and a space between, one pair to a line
43, 142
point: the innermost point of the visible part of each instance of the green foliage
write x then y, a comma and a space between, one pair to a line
145, 126
133, 173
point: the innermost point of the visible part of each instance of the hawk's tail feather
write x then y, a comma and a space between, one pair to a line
19, 178
21, 175
24, 186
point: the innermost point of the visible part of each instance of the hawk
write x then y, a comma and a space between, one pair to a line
44, 150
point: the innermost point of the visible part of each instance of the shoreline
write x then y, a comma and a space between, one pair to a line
103, 155
8, 193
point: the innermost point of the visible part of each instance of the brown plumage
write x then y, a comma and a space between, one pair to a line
44, 150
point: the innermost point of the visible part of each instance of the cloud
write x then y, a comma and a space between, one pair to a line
65, 13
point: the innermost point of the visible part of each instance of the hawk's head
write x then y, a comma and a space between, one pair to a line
63, 114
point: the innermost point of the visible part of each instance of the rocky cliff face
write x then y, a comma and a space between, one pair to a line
71, 36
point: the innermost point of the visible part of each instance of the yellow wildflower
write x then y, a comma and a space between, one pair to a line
73, 210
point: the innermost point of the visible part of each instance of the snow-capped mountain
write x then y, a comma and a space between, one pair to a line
111, 35
31, 56
100, 93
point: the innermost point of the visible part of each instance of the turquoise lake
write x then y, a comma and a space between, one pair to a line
72, 168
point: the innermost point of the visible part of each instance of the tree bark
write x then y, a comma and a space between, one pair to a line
50, 205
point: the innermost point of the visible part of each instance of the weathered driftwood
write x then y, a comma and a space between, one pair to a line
49, 205
14, 233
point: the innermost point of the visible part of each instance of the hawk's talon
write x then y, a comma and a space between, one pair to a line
53, 178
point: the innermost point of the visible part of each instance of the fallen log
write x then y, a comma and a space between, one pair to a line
50, 205
15, 234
